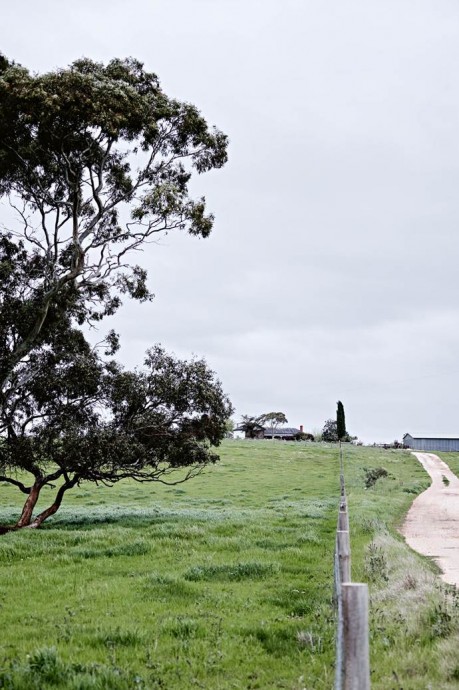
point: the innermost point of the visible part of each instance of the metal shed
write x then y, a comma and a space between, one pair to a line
428, 444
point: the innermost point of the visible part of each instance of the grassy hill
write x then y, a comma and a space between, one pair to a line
224, 582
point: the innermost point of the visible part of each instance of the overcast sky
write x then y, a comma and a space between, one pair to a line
331, 272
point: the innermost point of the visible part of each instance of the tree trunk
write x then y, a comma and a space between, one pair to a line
56, 505
29, 505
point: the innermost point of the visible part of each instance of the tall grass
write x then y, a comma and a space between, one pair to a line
224, 582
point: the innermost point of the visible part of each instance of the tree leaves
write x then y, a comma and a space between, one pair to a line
76, 416
83, 149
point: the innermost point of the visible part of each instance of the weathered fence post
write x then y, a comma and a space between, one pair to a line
339, 629
343, 548
343, 518
356, 668
352, 663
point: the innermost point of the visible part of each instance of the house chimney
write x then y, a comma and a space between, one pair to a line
301, 428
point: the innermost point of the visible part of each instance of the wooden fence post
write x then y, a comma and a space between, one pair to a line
343, 548
343, 520
356, 637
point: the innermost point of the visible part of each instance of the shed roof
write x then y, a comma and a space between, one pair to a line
434, 438
282, 431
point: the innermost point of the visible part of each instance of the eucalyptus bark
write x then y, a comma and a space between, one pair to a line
29, 505
54, 507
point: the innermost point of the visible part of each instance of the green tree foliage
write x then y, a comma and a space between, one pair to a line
251, 426
304, 436
330, 431
229, 428
95, 160
79, 418
340, 421
273, 419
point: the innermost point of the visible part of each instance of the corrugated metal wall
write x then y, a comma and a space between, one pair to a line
428, 444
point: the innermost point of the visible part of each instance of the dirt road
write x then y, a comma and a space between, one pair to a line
432, 524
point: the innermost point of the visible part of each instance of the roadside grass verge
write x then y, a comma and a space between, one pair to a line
223, 582
451, 459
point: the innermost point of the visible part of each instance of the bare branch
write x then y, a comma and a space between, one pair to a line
15, 482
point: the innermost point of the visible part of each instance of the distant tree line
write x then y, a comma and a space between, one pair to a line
254, 426
334, 430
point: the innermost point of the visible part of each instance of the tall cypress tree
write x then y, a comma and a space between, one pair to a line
340, 421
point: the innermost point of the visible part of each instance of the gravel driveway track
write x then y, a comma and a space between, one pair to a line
431, 526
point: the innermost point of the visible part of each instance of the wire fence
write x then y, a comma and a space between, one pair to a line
352, 662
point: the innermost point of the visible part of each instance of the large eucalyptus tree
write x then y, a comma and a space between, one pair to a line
95, 161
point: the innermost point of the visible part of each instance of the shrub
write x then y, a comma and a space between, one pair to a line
373, 474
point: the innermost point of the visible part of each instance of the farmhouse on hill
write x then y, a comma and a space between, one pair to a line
286, 433
428, 444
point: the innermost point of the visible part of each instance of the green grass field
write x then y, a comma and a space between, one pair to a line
224, 582
451, 459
